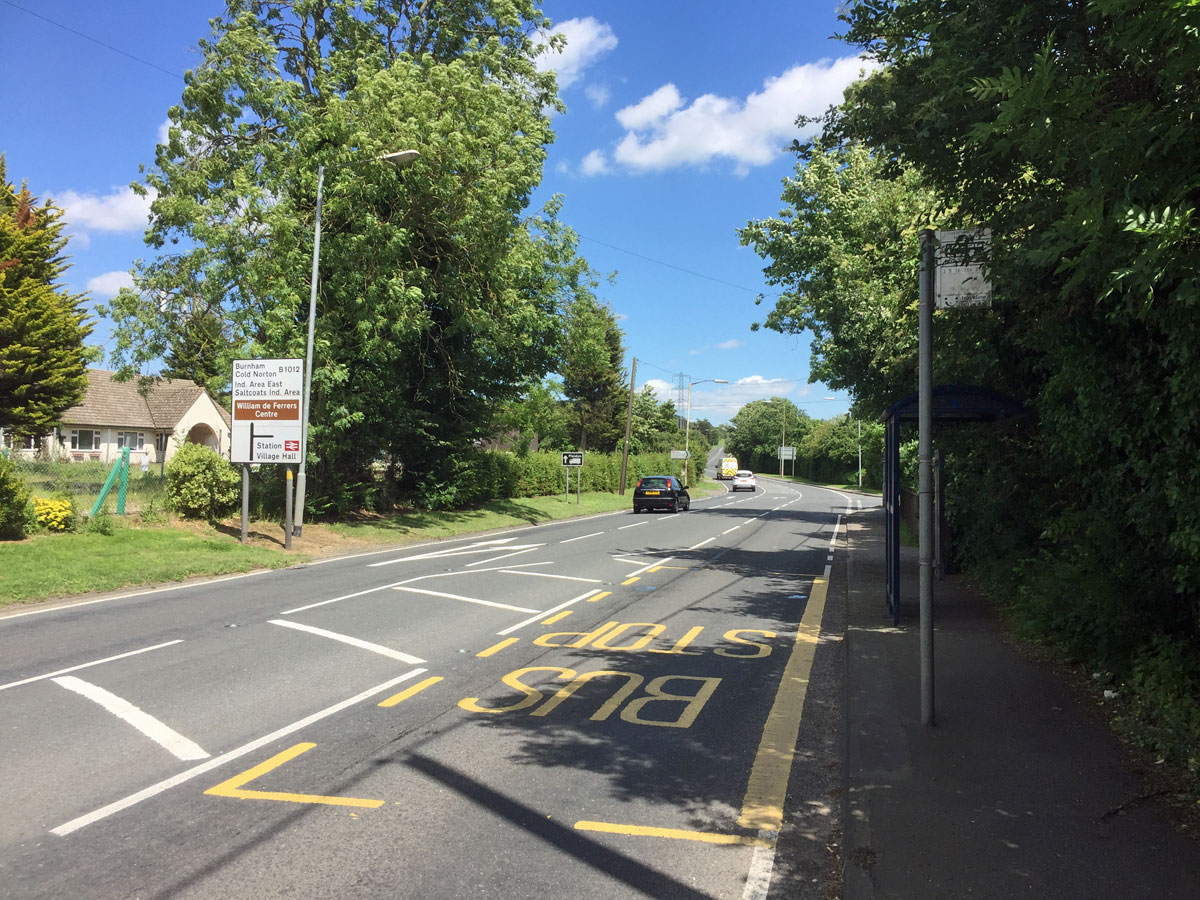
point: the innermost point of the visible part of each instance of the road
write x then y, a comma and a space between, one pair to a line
607, 707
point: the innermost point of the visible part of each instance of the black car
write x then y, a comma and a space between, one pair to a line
660, 492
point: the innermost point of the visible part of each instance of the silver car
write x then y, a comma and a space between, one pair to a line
743, 480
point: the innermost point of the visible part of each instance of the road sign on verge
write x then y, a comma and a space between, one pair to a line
681, 454
959, 279
267, 398
572, 458
787, 452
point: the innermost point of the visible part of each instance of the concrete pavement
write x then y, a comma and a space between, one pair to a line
1014, 793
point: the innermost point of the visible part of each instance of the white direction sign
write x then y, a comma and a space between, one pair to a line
681, 454
787, 452
959, 280
572, 458
267, 400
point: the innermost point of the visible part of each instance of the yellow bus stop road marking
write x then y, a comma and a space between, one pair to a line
233, 787
762, 806
678, 834
408, 692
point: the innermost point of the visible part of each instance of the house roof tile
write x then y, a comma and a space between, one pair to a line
160, 404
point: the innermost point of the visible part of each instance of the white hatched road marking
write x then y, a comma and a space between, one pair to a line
96, 662
474, 600
163, 735
352, 641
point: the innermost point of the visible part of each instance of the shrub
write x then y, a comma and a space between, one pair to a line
57, 514
17, 517
201, 483
101, 523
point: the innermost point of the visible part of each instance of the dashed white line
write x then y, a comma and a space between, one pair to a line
352, 641
701, 544
11, 684
162, 734
165, 785
634, 525
581, 537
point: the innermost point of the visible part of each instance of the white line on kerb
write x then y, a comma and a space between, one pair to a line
352, 641
97, 662
474, 600
176, 780
548, 612
160, 733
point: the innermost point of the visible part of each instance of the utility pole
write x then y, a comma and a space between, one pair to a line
628, 427
925, 460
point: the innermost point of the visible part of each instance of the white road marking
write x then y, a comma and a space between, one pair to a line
581, 537
162, 734
701, 544
352, 641
734, 528
758, 879
634, 525
477, 547
504, 556
474, 600
176, 780
548, 612
548, 575
649, 566
4, 687
382, 587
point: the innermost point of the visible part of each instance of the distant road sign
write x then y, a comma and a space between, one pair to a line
787, 452
572, 458
681, 454
959, 258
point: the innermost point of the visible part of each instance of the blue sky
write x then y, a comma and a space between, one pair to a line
677, 117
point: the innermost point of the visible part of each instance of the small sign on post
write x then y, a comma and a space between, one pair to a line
573, 459
681, 454
959, 258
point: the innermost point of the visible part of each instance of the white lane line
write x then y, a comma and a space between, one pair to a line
352, 641
634, 525
503, 556
758, 879
647, 568
176, 780
163, 735
548, 575
382, 587
734, 528
581, 537
474, 600
477, 547
548, 612
701, 544
833, 540
4, 687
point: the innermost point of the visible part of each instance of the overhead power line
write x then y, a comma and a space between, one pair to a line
88, 37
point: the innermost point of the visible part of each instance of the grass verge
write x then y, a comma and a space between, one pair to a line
57, 565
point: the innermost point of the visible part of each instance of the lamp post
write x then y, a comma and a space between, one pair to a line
687, 434
399, 159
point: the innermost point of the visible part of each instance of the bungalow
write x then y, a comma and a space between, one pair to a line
152, 422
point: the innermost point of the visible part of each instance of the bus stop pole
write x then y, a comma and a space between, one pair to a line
925, 459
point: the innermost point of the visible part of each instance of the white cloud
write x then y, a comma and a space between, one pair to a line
731, 344
164, 131
120, 210
663, 131
594, 164
597, 95
110, 283
587, 41
663, 390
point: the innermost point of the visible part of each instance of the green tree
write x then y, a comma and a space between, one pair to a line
593, 379
42, 325
200, 352
654, 428
438, 301
759, 426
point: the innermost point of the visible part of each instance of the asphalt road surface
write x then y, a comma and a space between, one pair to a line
618, 706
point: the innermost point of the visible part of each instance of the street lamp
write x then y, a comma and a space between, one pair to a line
399, 159
688, 429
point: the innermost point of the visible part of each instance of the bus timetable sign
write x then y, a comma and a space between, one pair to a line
267, 399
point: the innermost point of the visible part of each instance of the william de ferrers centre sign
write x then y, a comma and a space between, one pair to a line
267, 398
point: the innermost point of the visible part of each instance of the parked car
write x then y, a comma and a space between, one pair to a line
660, 492
743, 480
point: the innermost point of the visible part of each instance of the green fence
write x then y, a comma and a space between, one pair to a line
83, 482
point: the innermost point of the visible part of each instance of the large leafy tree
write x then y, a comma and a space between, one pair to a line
758, 428
438, 299
655, 426
1070, 130
43, 326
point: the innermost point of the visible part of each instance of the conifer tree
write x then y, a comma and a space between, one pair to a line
42, 325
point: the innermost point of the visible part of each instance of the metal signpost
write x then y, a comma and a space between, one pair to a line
573, 459
266, 422
787, 453
952, 275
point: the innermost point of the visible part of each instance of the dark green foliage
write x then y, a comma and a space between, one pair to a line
17, 517
201, 483
42, 326
593, 380
756, 432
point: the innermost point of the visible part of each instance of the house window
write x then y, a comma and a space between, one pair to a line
19, 442
85, 439
134, 440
